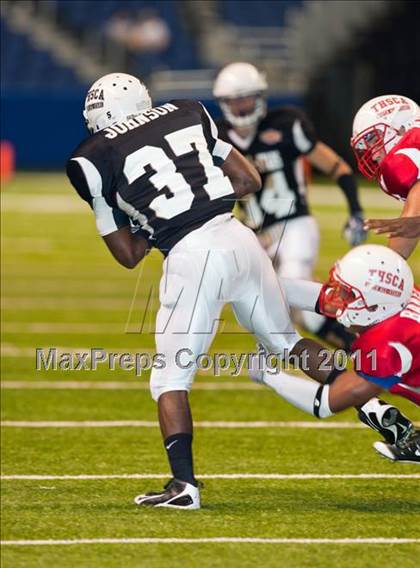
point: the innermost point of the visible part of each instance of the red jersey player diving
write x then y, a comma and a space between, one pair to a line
371, 290
386, 142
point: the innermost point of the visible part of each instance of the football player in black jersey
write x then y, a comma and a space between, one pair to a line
275, 140
161, 177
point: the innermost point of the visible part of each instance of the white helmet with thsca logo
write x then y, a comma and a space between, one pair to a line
378, 125
242, 85
113, 98
368, 285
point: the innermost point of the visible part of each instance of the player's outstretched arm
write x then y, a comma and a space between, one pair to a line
407, 227
330, 163
404, 232
242, 174
127, 248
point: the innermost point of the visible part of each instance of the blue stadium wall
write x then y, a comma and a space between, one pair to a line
46, 127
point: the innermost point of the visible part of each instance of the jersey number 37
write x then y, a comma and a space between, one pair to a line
181, 142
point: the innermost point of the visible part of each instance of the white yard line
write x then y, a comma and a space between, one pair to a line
11, 350
213, 540
68, 303
121, 385
105, 328
68, 203
285, 476
68, 328
155, 424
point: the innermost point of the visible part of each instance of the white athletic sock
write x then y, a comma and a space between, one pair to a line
300, 392
301, 294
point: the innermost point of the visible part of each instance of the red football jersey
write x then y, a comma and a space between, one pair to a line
388, 353
400, 169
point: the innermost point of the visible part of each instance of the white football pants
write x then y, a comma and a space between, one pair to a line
294, 255
221, 262
295, 252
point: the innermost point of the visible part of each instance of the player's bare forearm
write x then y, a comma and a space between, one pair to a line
328, 162
401, 244
244, 177
350, 390
404, 232
407, 227
127, 248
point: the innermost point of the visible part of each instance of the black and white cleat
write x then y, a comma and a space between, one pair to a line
175, 495
408, 452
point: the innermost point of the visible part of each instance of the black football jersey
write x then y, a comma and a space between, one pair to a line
283, 136
158, 171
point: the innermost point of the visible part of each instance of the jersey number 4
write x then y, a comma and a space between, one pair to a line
181, 142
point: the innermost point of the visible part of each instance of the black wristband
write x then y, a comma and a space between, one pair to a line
333, 375
347, 183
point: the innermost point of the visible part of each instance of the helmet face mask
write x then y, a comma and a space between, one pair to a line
378, 126
347, 300
244, 111
371, 146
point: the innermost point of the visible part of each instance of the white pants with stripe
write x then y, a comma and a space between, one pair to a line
221, 262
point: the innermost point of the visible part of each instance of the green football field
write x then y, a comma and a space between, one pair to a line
280, 488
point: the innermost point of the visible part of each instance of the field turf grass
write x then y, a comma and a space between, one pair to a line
61, 288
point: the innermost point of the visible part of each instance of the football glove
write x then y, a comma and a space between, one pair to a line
354, 231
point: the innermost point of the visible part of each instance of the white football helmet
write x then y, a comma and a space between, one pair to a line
378, 126
113, 98
239, 80
369, 284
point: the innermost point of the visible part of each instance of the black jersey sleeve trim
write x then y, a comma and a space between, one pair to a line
302, 139
78, 180
87, 180
218, 147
